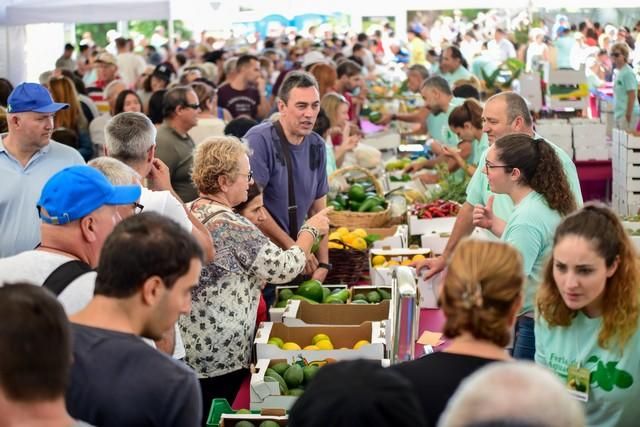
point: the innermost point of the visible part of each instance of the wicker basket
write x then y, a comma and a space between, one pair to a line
359, 219
347, 265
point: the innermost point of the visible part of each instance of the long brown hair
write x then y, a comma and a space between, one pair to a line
63, 90
470, 111
540, 169
484, 280
599, 226
326, 76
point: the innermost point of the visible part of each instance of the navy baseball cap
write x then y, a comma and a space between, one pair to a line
76, 191
32, 97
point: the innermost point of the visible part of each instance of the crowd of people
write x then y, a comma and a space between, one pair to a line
206, 185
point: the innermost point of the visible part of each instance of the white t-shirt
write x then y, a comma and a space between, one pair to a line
130, 67
96, 131
35, 266
164, 203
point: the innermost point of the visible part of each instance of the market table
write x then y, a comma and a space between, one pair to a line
430, 320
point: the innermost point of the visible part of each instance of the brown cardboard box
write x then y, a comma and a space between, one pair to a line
301, 313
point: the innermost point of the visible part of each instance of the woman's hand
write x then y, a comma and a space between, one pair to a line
483, 215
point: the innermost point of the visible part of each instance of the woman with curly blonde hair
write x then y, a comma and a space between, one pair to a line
219, 331
589, 305
480, 297
529, 171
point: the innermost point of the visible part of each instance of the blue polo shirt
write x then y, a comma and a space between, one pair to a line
270, 172
20, 191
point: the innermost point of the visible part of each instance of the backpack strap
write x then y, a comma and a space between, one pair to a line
62, 276
292, 207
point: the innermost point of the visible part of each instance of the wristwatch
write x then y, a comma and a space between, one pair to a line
394, 116
324, 265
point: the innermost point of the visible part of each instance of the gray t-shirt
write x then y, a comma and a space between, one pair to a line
270, 172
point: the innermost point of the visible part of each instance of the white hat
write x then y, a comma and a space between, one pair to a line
313, 57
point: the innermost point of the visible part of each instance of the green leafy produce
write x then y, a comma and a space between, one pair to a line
451, 188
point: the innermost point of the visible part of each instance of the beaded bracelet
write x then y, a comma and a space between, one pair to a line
311, 230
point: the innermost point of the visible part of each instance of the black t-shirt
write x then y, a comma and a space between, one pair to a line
239, 102
435, 377
119, 380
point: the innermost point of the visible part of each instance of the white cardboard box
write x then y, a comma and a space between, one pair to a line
342, 337
592, 153
430, 290
429, 225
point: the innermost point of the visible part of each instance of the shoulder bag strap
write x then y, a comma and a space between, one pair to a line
292, 208
62, 276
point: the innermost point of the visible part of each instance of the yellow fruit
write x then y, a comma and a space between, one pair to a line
333, 245
311, 347
324, 345
342, 231
290, 346
335, 236
360, 344
406, 262
418, 257
319, 337
360, 232
359, 243
392, 263
348, 238
378, 260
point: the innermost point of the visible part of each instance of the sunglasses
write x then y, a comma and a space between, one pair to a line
194, 106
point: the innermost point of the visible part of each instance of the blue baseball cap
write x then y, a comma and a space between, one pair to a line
76, 191
32, 97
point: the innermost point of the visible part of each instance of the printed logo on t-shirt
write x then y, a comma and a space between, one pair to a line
605, 375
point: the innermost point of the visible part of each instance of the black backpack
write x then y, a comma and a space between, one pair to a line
62, 276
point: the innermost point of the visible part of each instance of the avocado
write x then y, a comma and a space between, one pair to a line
384, 293
274, 376
296, 392
358, 297
357, 193
374, 297
268, 423
284, 294
280, 368
245, 423
309, 373
293, 376
311, 289
301, 298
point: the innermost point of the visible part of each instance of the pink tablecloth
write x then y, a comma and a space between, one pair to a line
430, 319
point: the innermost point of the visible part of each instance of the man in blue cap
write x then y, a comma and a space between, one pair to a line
28, 158
78, 208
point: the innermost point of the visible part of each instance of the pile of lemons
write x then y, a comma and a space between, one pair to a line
380, 261
356, 238
318, 342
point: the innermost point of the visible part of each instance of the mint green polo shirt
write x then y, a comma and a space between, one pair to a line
625, 81
530, 230
615, 376
460, 74
438, 125
478, 146
478, 191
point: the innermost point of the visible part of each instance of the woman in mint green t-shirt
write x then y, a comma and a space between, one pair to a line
587, 327
626, 110
530, 172
466, 122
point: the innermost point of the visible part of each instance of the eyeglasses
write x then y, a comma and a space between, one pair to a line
194, 106
616, 54
249, 175
137, 208
489, 165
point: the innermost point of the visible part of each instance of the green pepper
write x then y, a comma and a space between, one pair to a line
368, 204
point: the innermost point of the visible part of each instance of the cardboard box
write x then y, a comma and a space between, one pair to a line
301, 313
275, 314
430, 290
384, 140
381, 276
342, 337
392, 237
277, 415
592, 153
631, 141
429, 225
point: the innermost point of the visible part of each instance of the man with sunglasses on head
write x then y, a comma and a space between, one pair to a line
78, 207
174, 145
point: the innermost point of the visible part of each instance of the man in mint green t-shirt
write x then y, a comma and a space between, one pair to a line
453, 66
504, 114
440, 101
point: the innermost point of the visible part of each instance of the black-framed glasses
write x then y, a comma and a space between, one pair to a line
137, 208
250, 175
194, 106
489, 165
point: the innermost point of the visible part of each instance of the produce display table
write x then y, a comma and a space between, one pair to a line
595, 179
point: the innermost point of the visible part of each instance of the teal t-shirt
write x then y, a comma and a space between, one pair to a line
331, 158
478, 189
614, 394
460, 74
624, 82
478, 146
563, 47
438, 125
484, 63
530, 230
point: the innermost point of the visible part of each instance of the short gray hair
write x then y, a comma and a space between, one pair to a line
438, 83
514, 391
109, 89
117, 173
516, 107
420, 69
293, 80
128, 137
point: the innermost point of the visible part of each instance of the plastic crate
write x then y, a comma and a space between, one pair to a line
219, 407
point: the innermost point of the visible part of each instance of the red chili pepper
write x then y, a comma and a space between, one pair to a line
426, 214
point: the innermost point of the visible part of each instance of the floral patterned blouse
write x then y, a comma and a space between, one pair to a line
218, 333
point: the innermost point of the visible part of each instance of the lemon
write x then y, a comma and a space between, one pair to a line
290, 346
359, 243
342, 231
324, 345
406, 262
311, 347
335, 236
319, 337
333, 245
360, 344
378, 260
348, 238
360, 232
418, 257
276, 341
392, 263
